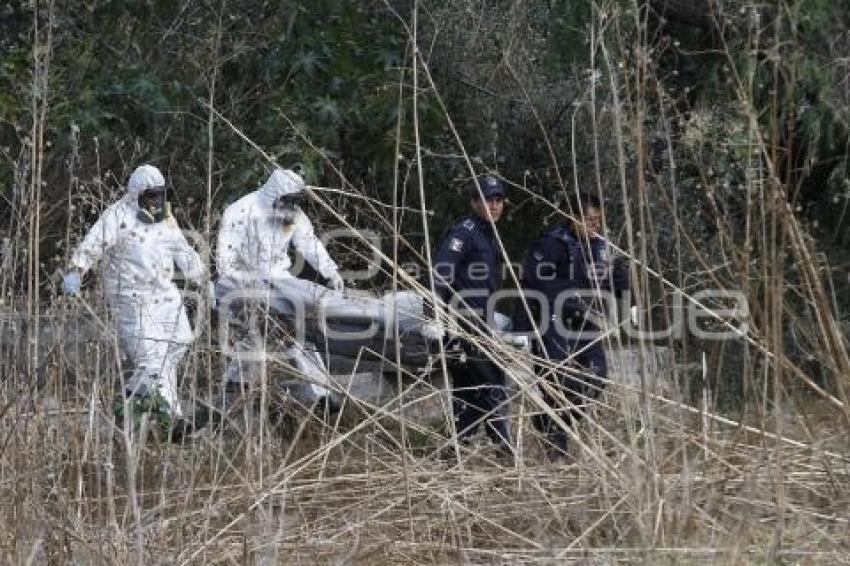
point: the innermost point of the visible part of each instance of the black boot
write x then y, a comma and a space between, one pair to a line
229, 400
182, 428
558, 449
326, 406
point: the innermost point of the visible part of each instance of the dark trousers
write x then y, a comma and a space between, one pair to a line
479, 396
572, 386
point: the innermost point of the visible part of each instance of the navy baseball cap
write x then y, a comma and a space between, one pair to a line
490, 187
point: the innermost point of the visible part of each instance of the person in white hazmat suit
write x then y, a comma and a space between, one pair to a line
253, 266
138, 243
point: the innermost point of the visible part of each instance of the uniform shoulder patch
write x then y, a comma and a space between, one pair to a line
456, 245
560, 233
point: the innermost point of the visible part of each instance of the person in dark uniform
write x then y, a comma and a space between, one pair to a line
467, 272
571, 266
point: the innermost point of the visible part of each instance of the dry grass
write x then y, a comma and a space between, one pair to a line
651, 483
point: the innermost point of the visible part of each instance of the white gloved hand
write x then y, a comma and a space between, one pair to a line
502, 321
634, 315
336, 282
432, 330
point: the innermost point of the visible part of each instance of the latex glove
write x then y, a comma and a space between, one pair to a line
502, 321
336, 283
432, 330
72, 283
634, 315
211, 295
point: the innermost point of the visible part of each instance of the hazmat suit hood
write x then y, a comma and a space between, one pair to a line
144, 177
281, 182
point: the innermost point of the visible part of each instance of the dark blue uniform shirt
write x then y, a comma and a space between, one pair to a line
468, 259
561, 262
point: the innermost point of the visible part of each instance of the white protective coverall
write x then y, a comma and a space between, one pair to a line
253, 261
137, 270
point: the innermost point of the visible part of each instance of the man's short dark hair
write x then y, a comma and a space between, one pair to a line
583, 201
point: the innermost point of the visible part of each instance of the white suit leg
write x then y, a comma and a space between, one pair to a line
155, 334
244, 343
177, 347
130, 319
288, 296
300, 297
309, 362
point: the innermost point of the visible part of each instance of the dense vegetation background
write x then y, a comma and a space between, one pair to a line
696, 120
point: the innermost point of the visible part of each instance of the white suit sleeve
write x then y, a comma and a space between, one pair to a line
311, 247
101, 237
186, 258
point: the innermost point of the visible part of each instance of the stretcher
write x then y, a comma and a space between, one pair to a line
353, 330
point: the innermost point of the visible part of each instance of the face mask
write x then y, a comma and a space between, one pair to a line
153, 207
287, 207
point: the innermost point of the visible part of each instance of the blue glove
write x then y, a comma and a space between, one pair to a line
71, 283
